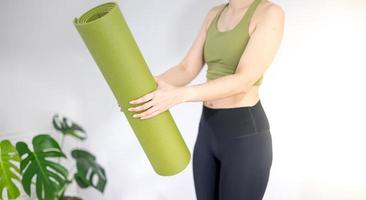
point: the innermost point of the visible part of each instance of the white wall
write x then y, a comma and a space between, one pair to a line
313, 93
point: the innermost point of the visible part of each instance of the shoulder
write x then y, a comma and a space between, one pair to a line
212, 12
214, 9
270, 12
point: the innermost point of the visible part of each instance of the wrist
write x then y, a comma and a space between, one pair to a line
186, 92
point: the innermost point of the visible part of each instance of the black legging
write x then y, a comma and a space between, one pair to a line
232, 155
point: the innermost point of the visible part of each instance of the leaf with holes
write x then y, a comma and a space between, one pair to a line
89, 172
9, 170
50, 177
68, 127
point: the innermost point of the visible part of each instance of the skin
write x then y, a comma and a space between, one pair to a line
233, 90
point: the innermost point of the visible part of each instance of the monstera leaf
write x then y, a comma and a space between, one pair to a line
9, 171
50, 177
67, 127
87, 169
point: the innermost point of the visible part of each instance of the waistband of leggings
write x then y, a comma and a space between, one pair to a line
256, 106
252, 115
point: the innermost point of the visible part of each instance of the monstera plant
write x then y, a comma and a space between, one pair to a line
40, 167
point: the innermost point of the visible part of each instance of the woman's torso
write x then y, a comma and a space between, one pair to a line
242, 99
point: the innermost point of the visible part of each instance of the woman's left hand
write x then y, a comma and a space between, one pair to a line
158, 101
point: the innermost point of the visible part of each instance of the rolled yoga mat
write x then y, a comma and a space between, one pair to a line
112, 46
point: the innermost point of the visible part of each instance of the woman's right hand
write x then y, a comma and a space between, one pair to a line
156, 80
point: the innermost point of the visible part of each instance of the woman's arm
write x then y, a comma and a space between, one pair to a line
256, 58
177, 75
192, 63
190, 66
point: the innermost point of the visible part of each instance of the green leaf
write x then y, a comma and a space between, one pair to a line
9, 171
68, 127
50, 177
88, 170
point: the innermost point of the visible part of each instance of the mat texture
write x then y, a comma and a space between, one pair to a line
112, 46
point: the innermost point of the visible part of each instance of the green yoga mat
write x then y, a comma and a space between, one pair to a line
112, 46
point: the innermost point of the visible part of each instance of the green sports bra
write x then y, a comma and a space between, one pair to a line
222, 50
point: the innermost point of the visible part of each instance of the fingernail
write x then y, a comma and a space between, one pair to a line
135, 115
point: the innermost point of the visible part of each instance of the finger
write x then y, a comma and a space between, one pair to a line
143, 99
146, 113
152, 114
142, 107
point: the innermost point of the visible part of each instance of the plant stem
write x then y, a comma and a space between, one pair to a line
62, 145
63, 189
72, 167
62, 141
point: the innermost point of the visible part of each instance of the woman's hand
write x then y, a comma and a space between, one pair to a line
158, 101
155, 77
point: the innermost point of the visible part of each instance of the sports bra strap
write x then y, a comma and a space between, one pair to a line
249, 13
219, 13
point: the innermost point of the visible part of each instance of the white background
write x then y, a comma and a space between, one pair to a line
313, 93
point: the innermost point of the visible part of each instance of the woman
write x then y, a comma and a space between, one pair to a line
232, 155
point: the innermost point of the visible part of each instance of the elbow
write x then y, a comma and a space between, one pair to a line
244, 84
191, 71
185, 69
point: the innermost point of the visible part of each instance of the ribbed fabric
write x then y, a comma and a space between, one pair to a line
222, 50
